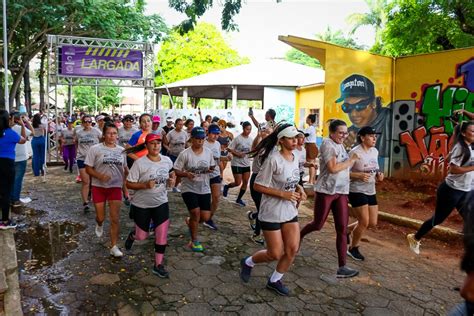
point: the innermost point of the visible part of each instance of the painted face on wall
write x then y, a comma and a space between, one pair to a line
361, 110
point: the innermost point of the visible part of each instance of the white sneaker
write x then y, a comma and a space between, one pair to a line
413, 243
176, 190
99, 230
115, 251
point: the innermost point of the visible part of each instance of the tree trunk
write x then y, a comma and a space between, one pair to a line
18, 98
27, 88
2, 93
41, 74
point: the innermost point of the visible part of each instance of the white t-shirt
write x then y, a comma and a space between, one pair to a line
198, 165
68, 137
332, 183
215, 148
145, 170
107, 160
280, 174
176, 141
21, 153
125, 135
311, 138
301, 155
85, 140
244, 145
367, 163
462, 182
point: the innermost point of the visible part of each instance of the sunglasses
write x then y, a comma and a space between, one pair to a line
129, 121
359, 106
87, 121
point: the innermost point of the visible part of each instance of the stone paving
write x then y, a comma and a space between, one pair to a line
392, 280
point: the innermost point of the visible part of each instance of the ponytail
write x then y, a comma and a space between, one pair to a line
465, 148
135, 149
265, 147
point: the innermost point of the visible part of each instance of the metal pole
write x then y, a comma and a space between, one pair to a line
5, 55
95, 112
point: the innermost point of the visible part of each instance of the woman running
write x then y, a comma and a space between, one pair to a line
240, 147
125, 133
364, 173
68, 146
86, 137
38, 145
453, 191
8, 140
194, 165
224, 139
149, 177
332, 188
107, 165
175, 143
277, 180
139, 137
215, 177
310, 146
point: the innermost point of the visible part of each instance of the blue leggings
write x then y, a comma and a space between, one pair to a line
38, 147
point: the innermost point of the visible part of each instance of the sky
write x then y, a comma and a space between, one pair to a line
261, 21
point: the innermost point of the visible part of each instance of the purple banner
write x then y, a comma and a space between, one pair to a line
103, 62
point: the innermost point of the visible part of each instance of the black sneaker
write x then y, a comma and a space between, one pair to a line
86, 207
278, 287
129, 241
225, 191
346, 272
245, 270
126, 201
355, 254
160, 271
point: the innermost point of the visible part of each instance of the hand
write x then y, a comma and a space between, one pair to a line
150, 184
170, 182
379, 176
291, 196
467, 290
365, 177
190, 175
303, 197
104, 177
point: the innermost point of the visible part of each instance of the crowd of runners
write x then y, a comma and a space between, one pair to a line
139, 161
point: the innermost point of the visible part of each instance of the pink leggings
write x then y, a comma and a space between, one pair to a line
338, 203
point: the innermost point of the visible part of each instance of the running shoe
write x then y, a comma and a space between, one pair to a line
129, 241
196, 246
225, 191
115, 252
245, 270
258, 239
17, 204
346, 272
99, 230
210, 224
78, 179
65, 168
240, 202
176, 190
161, 271
413, 243
7, 225
86, 207
251, 218
278, 287
355, 254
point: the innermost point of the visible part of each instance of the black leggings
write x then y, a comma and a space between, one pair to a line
257, 199
7, 172
447, 199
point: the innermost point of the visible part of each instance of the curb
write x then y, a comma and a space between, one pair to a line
438, 232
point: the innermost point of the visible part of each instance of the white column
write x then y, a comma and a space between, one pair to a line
234, 97
159, 96
185, 98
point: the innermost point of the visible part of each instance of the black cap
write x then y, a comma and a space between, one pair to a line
367, 130
127, 117
356, 86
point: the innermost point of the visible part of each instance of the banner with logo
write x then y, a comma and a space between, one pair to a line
101, 62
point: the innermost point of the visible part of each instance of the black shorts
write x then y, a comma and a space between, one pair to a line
194, 200
173, 158
361, 199
143, 216
240, 170
215, 180
80, 164
276, 226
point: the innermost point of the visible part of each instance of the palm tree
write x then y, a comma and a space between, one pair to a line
377, 17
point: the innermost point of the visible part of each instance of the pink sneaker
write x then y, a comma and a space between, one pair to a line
78, 179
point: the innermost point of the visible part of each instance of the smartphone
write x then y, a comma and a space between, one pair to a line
250, 111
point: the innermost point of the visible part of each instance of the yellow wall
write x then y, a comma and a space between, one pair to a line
310, 97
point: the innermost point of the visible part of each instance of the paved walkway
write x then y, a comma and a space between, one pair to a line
392, 280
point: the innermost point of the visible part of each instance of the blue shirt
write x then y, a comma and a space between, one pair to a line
7, 144
134, 139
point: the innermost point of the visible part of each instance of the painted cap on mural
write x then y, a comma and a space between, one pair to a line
356, 86
367, 130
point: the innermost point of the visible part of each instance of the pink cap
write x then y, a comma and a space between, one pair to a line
155, 119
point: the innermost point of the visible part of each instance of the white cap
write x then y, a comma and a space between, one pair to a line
289, 132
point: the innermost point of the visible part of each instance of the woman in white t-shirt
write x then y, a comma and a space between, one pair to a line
149, 177
364, 173
107, 166
194, 165
310, 146
332, 188
454, 191
240, 163
277, 180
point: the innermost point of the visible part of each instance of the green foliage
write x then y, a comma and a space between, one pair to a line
423, 26
376, 17
84, 98
197, 52
297, 56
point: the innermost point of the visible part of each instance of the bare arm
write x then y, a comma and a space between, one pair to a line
335, 167
93, 173
284, 195
254, 121
460, 169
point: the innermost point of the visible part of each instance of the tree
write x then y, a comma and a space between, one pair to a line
376, 17
197, 52
30, 21
335, 37
416, 26
84, 98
